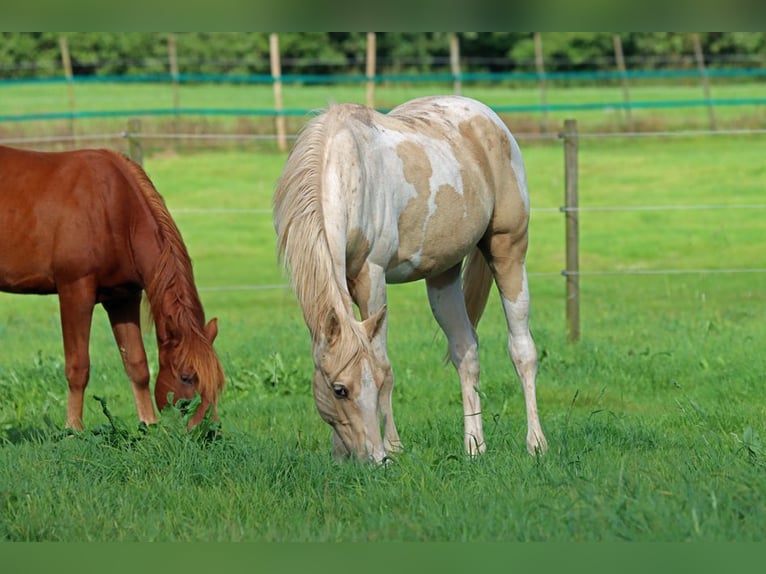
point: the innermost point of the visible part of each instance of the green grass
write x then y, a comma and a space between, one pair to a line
655, 419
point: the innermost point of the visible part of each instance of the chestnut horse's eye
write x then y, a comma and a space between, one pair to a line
341, 391
187, 379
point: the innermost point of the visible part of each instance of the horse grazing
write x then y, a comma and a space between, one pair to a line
367, 199
89, 226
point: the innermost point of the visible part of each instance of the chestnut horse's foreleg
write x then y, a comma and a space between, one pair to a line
125, 318
445, 295
76, 302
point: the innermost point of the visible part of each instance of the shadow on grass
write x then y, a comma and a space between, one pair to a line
173, 420
34, 434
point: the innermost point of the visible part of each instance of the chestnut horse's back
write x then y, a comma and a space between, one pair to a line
66, 215
89, 226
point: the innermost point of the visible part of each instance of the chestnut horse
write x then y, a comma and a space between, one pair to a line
367, 199
89, 226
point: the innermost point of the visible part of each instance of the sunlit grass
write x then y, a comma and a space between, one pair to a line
655, 419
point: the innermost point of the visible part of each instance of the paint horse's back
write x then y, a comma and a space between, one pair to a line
437, 173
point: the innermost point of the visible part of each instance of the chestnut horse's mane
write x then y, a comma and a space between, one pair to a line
171, 291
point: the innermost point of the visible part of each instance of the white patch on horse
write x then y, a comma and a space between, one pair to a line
368, 405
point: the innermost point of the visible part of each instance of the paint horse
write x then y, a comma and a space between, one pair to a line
89, 226
367, 199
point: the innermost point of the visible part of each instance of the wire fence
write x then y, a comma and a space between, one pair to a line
567, 209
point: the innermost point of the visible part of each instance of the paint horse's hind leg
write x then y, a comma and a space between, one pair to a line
506, 258
445, 295
125, 318
76, 302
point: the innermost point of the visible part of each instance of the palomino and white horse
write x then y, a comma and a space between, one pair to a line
367, 199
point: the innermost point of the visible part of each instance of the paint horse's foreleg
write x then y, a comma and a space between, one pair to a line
368, 291
507, 259
76, 302
125, 318
445, 295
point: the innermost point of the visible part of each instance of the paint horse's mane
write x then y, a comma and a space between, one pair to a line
171, 288
302, 243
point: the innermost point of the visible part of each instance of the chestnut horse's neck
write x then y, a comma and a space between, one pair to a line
168, 278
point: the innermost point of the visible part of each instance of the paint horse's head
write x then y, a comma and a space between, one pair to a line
189, 365
347, 381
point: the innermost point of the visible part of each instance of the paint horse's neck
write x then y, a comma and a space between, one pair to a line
318, 279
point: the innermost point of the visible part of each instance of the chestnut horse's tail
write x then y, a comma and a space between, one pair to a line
477, 281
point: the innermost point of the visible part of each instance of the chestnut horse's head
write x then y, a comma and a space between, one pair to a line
189, 365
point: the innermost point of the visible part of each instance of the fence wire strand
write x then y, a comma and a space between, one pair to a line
522, 136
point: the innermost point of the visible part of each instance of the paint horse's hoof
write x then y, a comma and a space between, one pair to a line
474, 446
536, 444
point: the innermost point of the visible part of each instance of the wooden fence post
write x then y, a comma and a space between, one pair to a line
371, 65
276, 74
454, 60
540, 66
571, 204
173, 61
135, 150
66, 62
700, 58
620, 59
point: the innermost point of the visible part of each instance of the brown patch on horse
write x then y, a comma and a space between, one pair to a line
417, 171
505, 242
454, 208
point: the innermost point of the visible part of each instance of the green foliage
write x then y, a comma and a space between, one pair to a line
25, 54
268, 376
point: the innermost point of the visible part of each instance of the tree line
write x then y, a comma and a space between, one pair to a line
38, 54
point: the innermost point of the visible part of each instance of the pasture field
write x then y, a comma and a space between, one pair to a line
220, 101
655, 419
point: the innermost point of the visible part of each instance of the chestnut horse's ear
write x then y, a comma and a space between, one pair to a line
211, 329
373, 323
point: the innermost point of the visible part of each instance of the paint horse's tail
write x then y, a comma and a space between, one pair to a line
477, 281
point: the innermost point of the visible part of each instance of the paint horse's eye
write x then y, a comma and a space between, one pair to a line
341, 391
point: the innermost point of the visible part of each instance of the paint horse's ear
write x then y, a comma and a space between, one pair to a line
332, 328
373, 323
211, 329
